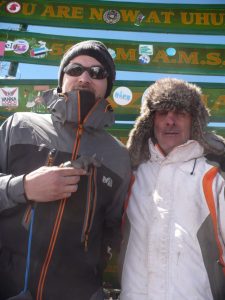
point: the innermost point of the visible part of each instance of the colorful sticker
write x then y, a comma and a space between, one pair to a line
20, 46
13, 7
111, 16
144, 59
122, 95
139, 19
40, 51
2, 48
145, 49
9, 96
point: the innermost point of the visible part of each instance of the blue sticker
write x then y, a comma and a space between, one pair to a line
171, 51
112, 53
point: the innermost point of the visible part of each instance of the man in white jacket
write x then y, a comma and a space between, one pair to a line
174, 241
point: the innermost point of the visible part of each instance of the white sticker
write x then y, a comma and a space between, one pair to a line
146, 49
122, 95
143, 96
9, 46
9, 96
20, 46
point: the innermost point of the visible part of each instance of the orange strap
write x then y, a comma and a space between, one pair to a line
57, 221
208, 191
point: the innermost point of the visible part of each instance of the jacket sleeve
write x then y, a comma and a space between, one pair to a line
134, 259
11, 187
221, 213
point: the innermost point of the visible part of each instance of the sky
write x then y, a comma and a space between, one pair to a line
28, 71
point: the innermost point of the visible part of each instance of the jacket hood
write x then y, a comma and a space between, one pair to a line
79, 107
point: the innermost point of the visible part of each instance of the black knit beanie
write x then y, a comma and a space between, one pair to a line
95, 49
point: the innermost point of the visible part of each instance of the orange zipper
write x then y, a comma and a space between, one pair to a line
50, 249
61, 209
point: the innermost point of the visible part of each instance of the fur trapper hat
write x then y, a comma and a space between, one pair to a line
169, 94
95, 49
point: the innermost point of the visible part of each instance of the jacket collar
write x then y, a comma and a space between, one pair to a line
185, 152
66, 109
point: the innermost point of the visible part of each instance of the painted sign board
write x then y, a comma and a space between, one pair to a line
108, 15
126, 99
159, 57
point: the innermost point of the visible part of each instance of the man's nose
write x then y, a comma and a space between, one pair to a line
170, 118
85, 77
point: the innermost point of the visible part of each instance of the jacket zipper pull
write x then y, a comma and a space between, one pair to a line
51, 157
86, 242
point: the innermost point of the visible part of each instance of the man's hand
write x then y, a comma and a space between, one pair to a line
52, 183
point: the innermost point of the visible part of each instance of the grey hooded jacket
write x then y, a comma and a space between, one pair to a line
70, 238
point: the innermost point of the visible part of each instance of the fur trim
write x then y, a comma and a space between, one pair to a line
169, 94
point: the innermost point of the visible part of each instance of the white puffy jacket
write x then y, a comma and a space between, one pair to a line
176, 214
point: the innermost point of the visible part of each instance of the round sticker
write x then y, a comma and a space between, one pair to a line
144, 59
143, 96
13, 7
20, 46
112, 53
122, 96
111, 16
170, 51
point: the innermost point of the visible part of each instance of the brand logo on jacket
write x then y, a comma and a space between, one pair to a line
107, 180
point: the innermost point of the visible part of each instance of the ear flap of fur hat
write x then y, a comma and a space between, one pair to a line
138, 140
171, 94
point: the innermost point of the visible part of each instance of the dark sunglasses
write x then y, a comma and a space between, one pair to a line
95, 72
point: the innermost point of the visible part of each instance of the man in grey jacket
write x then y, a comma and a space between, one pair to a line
62, 185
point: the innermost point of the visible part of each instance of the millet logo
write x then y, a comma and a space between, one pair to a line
107, 180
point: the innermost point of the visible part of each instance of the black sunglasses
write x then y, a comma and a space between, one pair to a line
95, 72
